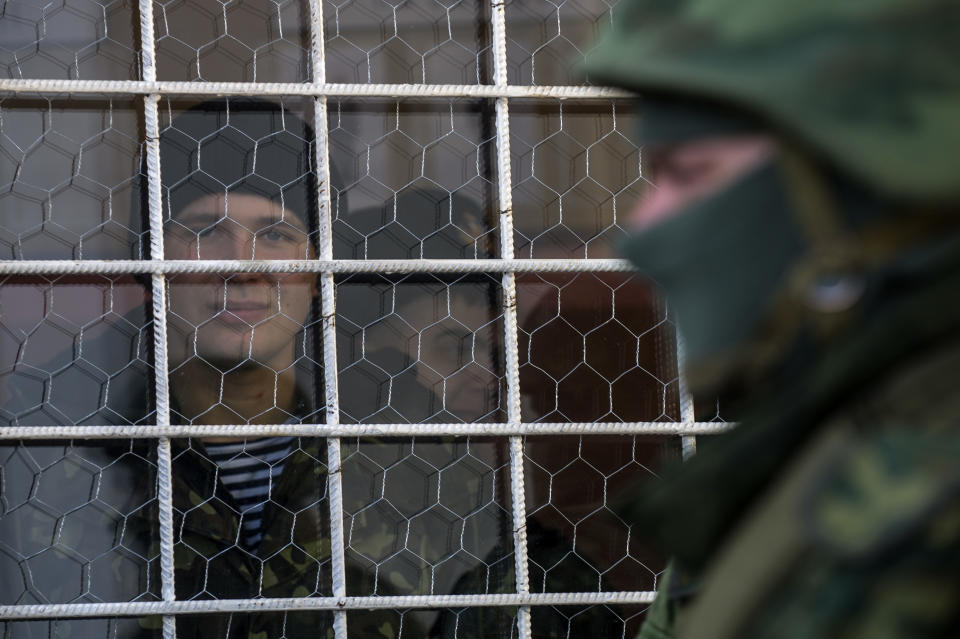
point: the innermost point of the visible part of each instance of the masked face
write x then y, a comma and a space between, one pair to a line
719, 237
684, 173
229, 320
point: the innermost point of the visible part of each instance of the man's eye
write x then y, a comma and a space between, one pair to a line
273, 235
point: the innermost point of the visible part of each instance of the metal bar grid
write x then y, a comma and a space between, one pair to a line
501, 429
506, 265
509, 285
159, 288
142, 608
328, 314
158, 266
316, 88
688, 441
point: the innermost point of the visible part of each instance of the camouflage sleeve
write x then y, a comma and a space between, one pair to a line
883, 523
495, 574
859, 540
661, 615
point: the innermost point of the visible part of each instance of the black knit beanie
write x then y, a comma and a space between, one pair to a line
239, 145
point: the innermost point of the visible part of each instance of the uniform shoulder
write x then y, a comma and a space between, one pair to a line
898, 473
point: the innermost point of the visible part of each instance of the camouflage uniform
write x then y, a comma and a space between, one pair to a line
292, 560
834, 509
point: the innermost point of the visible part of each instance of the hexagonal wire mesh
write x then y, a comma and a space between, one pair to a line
69, 170
75, 39
412, 363
240, 41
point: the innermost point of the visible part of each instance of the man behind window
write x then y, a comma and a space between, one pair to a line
251, 515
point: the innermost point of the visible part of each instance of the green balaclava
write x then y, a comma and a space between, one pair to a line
720, 260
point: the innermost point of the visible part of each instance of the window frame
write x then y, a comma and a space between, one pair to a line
514, 429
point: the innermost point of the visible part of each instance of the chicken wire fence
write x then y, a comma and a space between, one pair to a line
344, 351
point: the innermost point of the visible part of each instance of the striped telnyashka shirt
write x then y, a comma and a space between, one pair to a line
247, 469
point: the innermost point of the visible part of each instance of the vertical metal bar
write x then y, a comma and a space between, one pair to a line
159, 291
688, 443
504, 181
328, 313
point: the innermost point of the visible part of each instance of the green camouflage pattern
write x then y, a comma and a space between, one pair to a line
548, 572
832, 511
860, 535
873, 85
293, 559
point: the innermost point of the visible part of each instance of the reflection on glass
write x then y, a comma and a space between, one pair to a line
78, 522
420, 350
547, 40
251, 515
409, 180
576, 173
414, 180
595, 347
69, 40
407, 42
69, 171
573, 484
239, 41
77, 519
252, 518
427, 516
74, 349
237, 333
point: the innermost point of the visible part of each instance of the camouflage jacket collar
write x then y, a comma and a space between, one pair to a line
295, 546
910, 320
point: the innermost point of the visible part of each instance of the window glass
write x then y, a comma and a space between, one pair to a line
70, 179
545, 40
428, 516
576, 173
238, 41
420, 350
70, 39
409, 179
74, 349
413, 180
595, 347
417, 41
78, 523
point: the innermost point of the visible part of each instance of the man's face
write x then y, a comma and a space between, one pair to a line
227, 320
690, 171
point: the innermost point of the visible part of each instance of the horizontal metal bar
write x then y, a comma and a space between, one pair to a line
144, 608
364, 430
139, 87
118, 267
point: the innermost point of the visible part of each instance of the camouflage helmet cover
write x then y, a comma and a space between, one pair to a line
873, 85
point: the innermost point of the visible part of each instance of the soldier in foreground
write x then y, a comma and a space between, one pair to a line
805, 230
